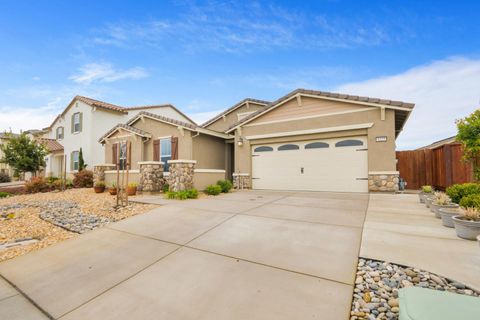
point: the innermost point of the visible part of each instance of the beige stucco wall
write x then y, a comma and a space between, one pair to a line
381, 155
110, 177
223, 124
203, 179
137, 144
209, 152
160, 129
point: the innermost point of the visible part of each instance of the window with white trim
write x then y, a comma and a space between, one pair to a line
75, 162
165, 152
76, 122
59, 134
122, 157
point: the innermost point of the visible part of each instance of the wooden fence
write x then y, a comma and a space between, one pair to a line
440, 167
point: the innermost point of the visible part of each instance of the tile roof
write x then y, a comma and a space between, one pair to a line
6, 135
323, 94
159, 106
52, 145
233, 108
126, 127
164, 119
100, 104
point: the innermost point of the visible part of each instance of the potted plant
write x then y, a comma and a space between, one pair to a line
441, 201
99, 187
447, 214
467, 224
429, 199
113, 189
426, 191
132, 189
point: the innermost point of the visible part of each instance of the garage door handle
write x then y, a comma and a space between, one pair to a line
301, 170
362, 178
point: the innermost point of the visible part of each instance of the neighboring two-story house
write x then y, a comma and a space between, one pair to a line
4, 168
80, 126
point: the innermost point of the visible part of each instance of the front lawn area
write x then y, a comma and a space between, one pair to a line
48, 218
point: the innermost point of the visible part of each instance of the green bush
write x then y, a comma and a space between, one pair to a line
182, 195
165, 188
69, 184
4, 177
427, 189
171, 194
458, 191
4, 194
83, 179
213, 190
226, 185
192, 194
37, 184
471, 201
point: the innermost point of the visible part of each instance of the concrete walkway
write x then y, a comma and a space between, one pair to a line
243, 255
401, 230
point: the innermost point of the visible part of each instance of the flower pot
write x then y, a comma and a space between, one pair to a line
112, 191
436, 207
131, 191
478, 239
99, 189
421, 197
447, 214
428, 200
466, 229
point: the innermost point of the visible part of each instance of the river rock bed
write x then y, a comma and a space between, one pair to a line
377, 283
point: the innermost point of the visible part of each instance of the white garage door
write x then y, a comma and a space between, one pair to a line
316, 165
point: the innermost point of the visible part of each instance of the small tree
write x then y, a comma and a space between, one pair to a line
81, 162
469, 135
23, 154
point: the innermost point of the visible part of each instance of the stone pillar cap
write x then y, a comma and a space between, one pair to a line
150, 162
104, 165
182, 161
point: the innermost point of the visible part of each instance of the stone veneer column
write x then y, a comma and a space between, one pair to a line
383, 181
241, 181
181, 174
151, 176
99, 172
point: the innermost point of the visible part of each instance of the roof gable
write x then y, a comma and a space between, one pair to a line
233, 108
125, 127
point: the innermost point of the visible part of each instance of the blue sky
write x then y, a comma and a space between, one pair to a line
204, 56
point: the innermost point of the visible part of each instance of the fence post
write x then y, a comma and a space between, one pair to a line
447, 154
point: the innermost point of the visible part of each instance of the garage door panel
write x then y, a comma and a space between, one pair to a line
341, 169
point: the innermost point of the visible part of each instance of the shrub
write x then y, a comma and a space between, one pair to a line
458, 191
51, 180
171, 194
213, 190
182, 195
165, 188
83, 179
133, 185
192, 194
57, 184
69, 184
4, 177
226, 185
470, 201
4, 194
37, 184
441, 199
471, 214
100, 184
427, 189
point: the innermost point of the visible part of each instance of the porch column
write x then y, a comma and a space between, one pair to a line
386, 181
241, 181
151, 176
181, 174
99, 172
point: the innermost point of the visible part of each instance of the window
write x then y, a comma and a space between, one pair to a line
165, 152
288, 147
77, 122
122, 157
316, 145
263, 149
75, 163
59, 133
349, 143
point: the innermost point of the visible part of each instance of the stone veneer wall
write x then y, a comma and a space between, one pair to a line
387, 182
181, 174
151, 176
99, 172
241, 181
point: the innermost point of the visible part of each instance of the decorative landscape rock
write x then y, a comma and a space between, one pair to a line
375, 295
383, 182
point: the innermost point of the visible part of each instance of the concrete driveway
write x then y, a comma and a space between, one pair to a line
243, 255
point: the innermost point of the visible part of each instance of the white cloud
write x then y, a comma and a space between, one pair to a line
21, 119
105, 72
443, 91
201, 117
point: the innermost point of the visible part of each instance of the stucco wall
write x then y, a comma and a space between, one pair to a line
203, 179
111, 176
381, 155
209, 152
137, 145
223, 124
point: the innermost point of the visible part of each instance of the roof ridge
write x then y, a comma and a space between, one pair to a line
233, 108
167, 119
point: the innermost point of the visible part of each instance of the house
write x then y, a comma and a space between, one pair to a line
82, 123
305, 140
5, 168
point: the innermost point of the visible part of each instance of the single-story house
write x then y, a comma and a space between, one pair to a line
306, 140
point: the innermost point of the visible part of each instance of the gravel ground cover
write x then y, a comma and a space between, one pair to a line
56, 216
376, 288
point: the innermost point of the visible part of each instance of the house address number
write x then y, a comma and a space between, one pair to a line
381, 139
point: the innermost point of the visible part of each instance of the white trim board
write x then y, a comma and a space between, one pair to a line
209, 171
310, 131
129, 171
307, 117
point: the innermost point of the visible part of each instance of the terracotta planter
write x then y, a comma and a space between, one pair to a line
131, 191
466, 229
435, 208
112, 191
428, 200
447, 214
99, 189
